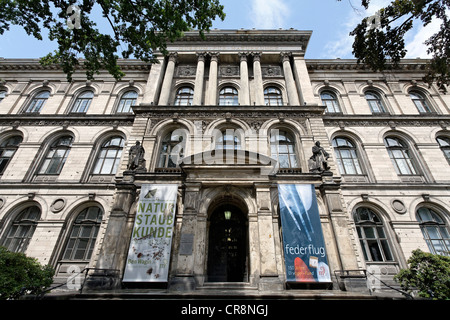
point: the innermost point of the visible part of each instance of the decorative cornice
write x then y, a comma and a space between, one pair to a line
66, 120
352, 64
392, 121
291, 36
228, 112
34, 64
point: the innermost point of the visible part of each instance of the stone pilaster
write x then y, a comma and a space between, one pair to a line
186, 252
269, 277
303, 81
114, 250
154, 82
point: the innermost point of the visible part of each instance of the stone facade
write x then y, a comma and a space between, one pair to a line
250, 82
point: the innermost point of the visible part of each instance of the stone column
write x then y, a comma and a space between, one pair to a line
154, 81
199, 76
168, 77
289, 78
303, 81
257, 73
244, 98
212, 85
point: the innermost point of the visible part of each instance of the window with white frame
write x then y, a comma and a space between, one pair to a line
22, 229
400, 155
37, 102
434, 230
372, 235
127, 100
282, 147
330, 100
375, 103
109, 156
8, 148
82, 102
420, 102
273, 97
228, 96
229, 139
83, 234
444, 144
346, 156
184, 96
56, 156
172, 149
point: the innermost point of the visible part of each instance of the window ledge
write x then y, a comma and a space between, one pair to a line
168, 170
102, 178
350, 178
46, 178
411, 178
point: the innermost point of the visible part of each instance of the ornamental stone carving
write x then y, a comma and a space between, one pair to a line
229, 71
186, 71
271, 71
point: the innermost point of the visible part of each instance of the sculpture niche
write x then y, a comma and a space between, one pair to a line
136, 161
318, 162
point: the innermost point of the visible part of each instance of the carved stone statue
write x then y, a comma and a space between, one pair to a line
319, 159
136, 161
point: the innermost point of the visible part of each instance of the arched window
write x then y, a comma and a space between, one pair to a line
82, 102
420, 102
282, 149
109, 156
37, 102
400, 156
172, 149
330, 100
273, 97
229, 139
184, 96
7, 150
346, 156
2, 95
434, 231
127, 100
228, 96
56, 156
83, 235
22, 229
375, 103
372, 237
444, 144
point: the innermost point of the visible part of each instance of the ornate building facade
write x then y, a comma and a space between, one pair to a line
227, 119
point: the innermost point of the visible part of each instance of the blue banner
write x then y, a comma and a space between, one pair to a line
303, 245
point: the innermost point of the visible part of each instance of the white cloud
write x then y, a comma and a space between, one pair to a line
341, 46
269, 14
416, 47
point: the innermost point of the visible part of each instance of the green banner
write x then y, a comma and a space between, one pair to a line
151, 239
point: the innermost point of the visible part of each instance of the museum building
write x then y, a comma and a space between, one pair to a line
232, 163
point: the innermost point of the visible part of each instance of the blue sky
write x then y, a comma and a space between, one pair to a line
330, 20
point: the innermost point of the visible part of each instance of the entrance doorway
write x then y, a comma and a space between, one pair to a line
227, 252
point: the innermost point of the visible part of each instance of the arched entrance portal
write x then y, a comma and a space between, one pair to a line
227, 249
